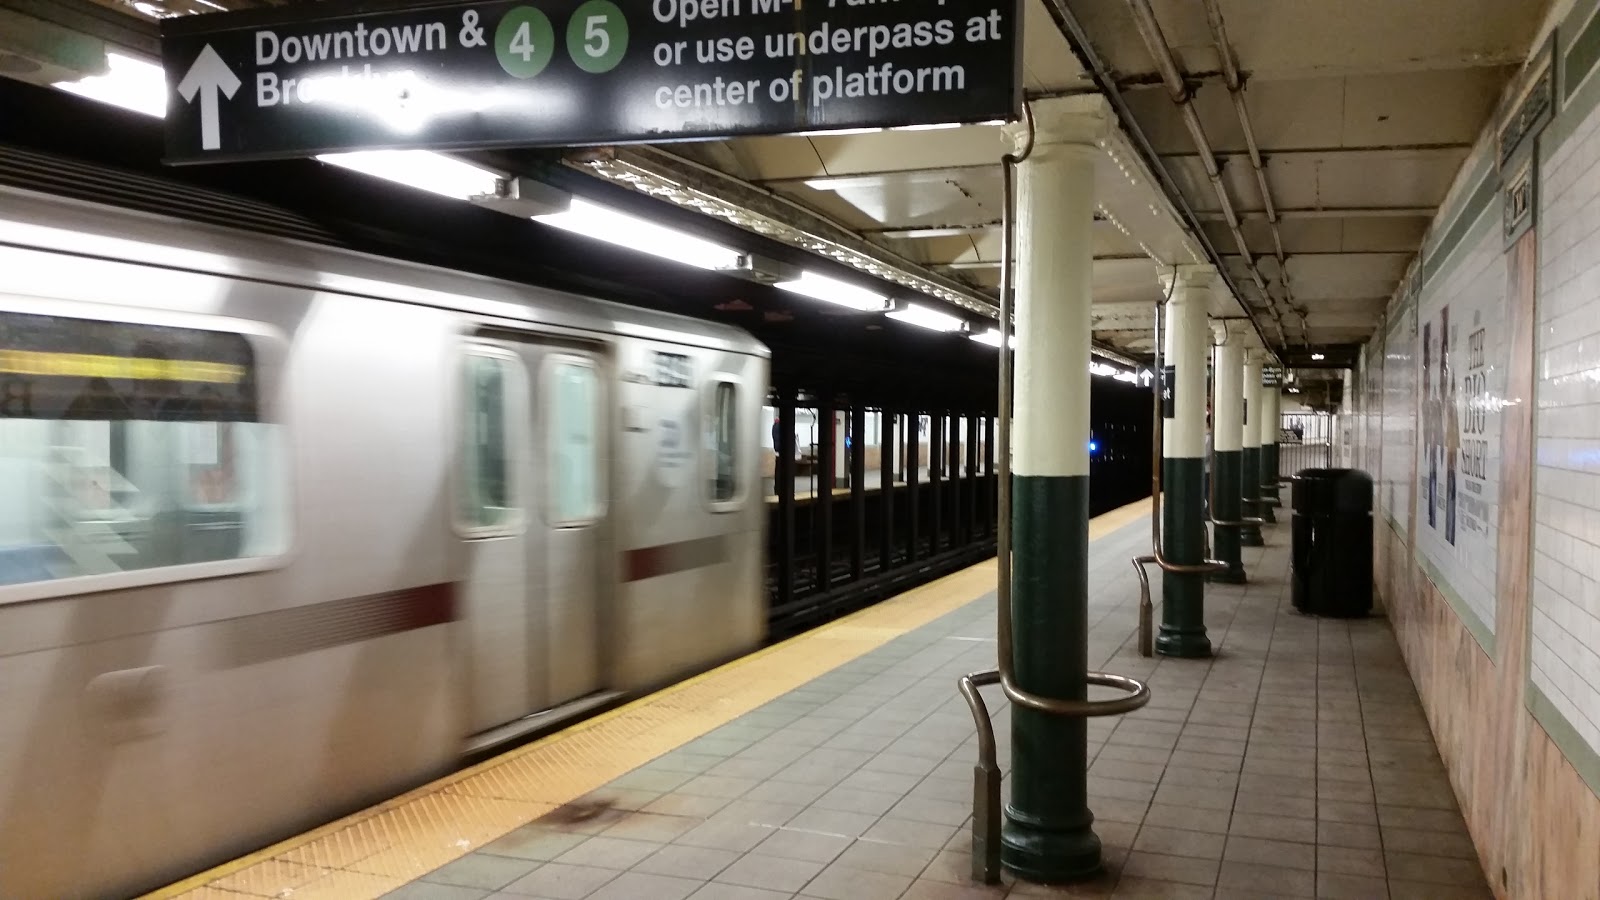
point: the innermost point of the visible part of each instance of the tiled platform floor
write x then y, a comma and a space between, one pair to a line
1296, 763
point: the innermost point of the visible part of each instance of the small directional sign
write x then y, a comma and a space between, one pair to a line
1169, 383
354, 74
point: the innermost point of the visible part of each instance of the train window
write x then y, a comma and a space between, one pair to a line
130, 447
574, 432
487, 503
723, 441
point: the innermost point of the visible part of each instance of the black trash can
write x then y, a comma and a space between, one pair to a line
1332, 542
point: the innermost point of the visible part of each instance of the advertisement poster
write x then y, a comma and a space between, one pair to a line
1462, 361
1399, 419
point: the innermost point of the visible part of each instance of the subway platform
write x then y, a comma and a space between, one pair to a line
838, 766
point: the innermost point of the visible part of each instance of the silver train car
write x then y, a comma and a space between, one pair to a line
285, 530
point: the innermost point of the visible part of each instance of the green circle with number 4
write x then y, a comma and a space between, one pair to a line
524, 42
597, 36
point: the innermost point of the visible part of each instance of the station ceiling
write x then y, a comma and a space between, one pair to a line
1361, 112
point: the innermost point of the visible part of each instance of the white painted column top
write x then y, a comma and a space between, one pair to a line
1271, 398
1054, 277
1227, 410
1185, 342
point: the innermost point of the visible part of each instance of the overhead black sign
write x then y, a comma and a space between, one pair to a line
341, 76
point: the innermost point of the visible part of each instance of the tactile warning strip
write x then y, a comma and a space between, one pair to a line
377, 850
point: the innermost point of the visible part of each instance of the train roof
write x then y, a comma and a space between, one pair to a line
154, 221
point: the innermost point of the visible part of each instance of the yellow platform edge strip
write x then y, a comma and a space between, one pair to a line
376, 850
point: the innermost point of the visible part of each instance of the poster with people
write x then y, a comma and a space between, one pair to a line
1461, 362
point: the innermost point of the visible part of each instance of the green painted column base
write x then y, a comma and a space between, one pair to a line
1231, 576
1048, 835
1267, 515
1038, 851
1183, 597
1269, 476
1250, 535
1226, 495
1250, 493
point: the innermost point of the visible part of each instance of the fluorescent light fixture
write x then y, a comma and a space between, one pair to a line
1105, 371
933, 126
444, 175
1294, 390
926, 317
992, 338
130, 83
831, 290
605, 224
946, 231
1317, 356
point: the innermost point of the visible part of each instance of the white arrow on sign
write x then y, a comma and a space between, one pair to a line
208, 75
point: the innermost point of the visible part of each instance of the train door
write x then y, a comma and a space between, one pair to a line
571, 414
533, 509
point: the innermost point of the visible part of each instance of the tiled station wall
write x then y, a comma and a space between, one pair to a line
1510, 682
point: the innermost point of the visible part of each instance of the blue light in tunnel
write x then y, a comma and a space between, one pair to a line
1093, 446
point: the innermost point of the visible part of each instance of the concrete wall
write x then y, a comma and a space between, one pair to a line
1511, 685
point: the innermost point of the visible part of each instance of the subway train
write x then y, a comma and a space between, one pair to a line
285, 529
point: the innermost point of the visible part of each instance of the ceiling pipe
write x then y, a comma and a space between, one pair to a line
1230, 77
1144, 18
1077, 39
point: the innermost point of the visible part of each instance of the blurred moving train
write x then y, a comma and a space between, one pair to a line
286, 529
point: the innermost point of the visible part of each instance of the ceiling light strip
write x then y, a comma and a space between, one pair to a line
668, 187
609, 167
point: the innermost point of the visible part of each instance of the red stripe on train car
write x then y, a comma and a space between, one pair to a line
666, 559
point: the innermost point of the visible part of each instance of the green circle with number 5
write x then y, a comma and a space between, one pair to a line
524, 42
597, 36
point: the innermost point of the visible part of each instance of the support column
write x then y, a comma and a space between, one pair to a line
1271, 396
1048, 834
1227, 435
1250, 460
1183, 445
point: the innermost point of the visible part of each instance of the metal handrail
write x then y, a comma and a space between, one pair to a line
986, 775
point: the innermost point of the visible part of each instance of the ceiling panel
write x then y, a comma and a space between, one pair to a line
987, 244
984, 278
829, 204
1366, 235
1048, 62
1352, 275
914, 199
899, 151
1295, 114
1120, 281
1110, 241
1346, 180
772, 158
1446, 106
1286, 38
1299, 236
942, 250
